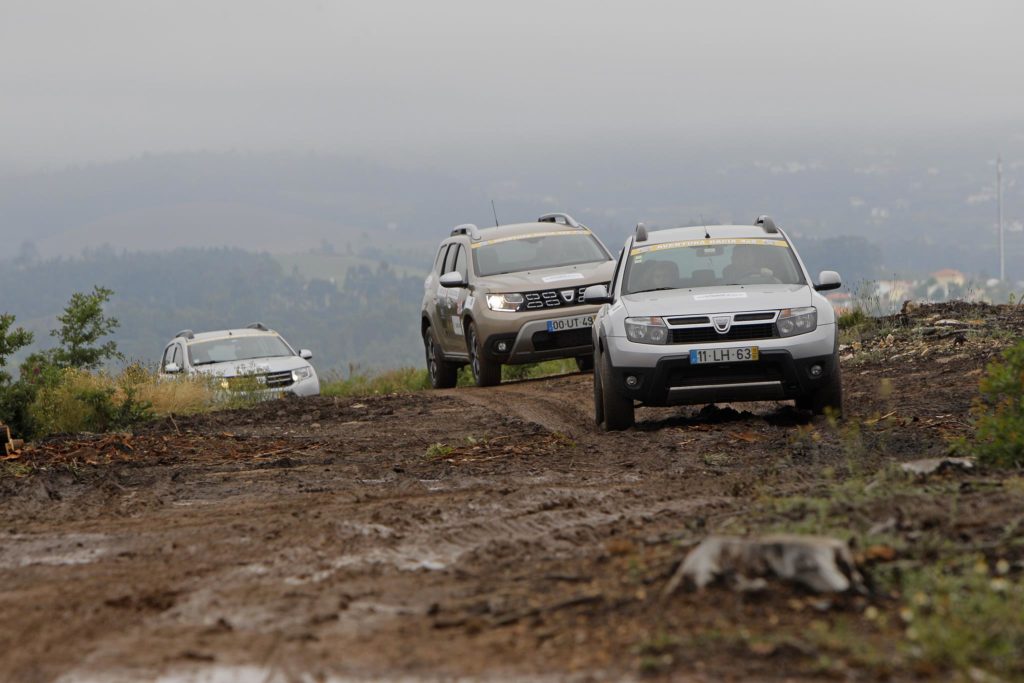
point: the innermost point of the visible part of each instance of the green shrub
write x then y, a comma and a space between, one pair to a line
852, 318
999, 411
79, 401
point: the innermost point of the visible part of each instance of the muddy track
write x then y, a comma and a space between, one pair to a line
493, 533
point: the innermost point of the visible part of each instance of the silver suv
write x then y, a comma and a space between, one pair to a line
253, 358
511, 294
713, 314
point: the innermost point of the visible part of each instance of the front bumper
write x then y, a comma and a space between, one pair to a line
666, 377
531, 342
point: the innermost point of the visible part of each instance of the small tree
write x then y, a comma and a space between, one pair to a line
11, 341
999, 412
81, 327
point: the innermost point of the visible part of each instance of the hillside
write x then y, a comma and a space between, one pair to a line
496, 533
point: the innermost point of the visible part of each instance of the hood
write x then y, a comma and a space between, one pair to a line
564, 277
252, 366
707, 300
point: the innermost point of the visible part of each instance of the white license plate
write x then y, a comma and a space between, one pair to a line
737, 355
574, 323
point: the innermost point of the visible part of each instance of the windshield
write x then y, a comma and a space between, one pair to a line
711, 263
536, 251
228, 349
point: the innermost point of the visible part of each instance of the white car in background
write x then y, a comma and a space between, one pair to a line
253, 358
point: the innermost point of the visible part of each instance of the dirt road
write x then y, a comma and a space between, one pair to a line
469, 533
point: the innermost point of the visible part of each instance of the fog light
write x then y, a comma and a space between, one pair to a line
632, 381
503, 346
816, 370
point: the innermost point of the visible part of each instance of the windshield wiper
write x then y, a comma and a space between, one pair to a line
654, 289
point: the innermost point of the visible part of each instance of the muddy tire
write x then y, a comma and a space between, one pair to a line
585, 363
598, 398
443, 374
827, 399
486, 373
618, 411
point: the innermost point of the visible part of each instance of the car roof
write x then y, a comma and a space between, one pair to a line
517, 229
242, 332
715, 231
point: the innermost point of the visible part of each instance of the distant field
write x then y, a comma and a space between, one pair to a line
327, 266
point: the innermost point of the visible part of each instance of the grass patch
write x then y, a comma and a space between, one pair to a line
437, 451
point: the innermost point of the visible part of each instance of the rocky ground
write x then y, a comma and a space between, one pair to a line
498, 534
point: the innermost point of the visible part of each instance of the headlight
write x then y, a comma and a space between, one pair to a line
794, 321
301, 374
504, 302
647, 330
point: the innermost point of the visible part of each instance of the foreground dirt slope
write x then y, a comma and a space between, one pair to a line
482, 533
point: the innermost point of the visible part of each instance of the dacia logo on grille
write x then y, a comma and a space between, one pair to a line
568, 295
722, 323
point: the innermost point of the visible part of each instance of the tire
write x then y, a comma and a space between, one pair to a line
618, 411
585, 363
443, 375
828, 398
598, 398
486, 373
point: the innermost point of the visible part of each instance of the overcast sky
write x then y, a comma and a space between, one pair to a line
105, 79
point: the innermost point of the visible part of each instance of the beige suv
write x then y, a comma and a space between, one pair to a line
509, 295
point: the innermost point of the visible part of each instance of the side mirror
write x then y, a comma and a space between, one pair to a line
172, 369
306, 354
596, 294
828, 279
453, 279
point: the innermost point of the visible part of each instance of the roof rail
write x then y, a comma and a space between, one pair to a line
258, 326
641, 233
467, 229
563, 218
187, 334
766, 222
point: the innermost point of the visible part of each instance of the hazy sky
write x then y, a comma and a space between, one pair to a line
105, 79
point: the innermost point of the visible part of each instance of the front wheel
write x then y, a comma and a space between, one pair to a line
827, 399
443, 375
618, 410
486, 373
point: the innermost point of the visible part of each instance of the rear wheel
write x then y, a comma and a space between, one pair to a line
585, 363
618, 410
598, 397
443, 374
486, 373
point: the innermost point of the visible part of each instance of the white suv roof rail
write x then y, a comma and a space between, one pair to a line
187, 334
766, 222
563, 218
467, 229
258, 326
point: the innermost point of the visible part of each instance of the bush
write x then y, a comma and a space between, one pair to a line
852, 318
999, 411
79, 401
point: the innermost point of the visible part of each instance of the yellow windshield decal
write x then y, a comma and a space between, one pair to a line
557, 233
708, 243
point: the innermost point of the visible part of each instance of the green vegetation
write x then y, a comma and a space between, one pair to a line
999, 411
82, 325
965, 617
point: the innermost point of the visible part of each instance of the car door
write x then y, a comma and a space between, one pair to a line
442, 319
456, 297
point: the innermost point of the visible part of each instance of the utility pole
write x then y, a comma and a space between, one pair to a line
999, 204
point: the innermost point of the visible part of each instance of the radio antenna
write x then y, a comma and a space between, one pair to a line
495, 212
707, 235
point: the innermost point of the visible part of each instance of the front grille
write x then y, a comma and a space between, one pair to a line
279, 379
553, 298
691, 320
726, 373
702, 335
548, 341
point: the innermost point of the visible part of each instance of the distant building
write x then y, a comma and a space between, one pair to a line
949, 276
842, 302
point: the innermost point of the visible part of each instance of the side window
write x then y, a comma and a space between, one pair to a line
615, 275
449, 260
168, 355
439, 261
460, 263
